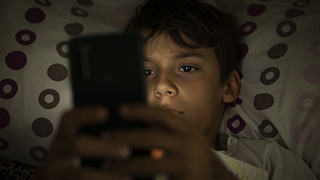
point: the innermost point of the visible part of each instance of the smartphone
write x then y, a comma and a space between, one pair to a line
107, 70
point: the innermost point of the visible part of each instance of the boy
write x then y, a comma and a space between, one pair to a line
191, 50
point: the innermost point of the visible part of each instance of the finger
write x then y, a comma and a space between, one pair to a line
142, 166
98, 148
146, 139
73, 120
154, 116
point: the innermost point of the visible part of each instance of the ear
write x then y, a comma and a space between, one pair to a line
232, 88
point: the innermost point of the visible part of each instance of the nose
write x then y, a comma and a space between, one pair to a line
165, 87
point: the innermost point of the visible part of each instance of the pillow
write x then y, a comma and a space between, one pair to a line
280, 65
34, 75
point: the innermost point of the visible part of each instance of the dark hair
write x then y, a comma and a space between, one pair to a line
202, 24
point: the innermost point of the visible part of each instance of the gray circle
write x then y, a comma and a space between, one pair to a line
278, 51
73, 29
50, 105
42, 127
57, 72
37, 149
266, 81
263, 101
293, 28
291, 13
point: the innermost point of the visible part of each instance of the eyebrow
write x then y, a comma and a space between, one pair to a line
182, 54
186, 54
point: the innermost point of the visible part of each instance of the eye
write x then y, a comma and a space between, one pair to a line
148, 72
187, 69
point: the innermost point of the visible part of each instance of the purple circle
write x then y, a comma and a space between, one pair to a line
44, 2
4, 145
256, 9
302, 133
4, 118
16, 60
239, 128
35, 15
244, 51
244, 32
14, 88
234, 103
32, 37
308, 96
312, 74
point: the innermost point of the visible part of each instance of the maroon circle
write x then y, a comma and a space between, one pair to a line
5, 144
252, 25
256, 9
238, 129
35, 15
16, 60
244, 51
4, 118
14, 88
31, 34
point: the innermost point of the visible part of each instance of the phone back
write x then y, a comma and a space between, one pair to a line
107, 70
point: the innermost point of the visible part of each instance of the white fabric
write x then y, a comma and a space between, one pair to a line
281, 163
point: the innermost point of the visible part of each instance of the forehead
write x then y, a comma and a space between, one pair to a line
163, 45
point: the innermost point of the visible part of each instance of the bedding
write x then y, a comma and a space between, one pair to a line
279, 64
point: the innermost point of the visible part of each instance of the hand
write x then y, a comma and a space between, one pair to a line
63, 159
188, 153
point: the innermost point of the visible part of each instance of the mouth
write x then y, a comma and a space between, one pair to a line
174, 111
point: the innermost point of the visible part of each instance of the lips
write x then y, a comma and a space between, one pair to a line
174, 111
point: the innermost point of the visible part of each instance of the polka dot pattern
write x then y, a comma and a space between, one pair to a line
25, 37
280, 90
8, 84
57, 72
42, 127
4, 118
16, 60
35, 15
279, 54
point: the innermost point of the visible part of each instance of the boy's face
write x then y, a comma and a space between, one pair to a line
186, 81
